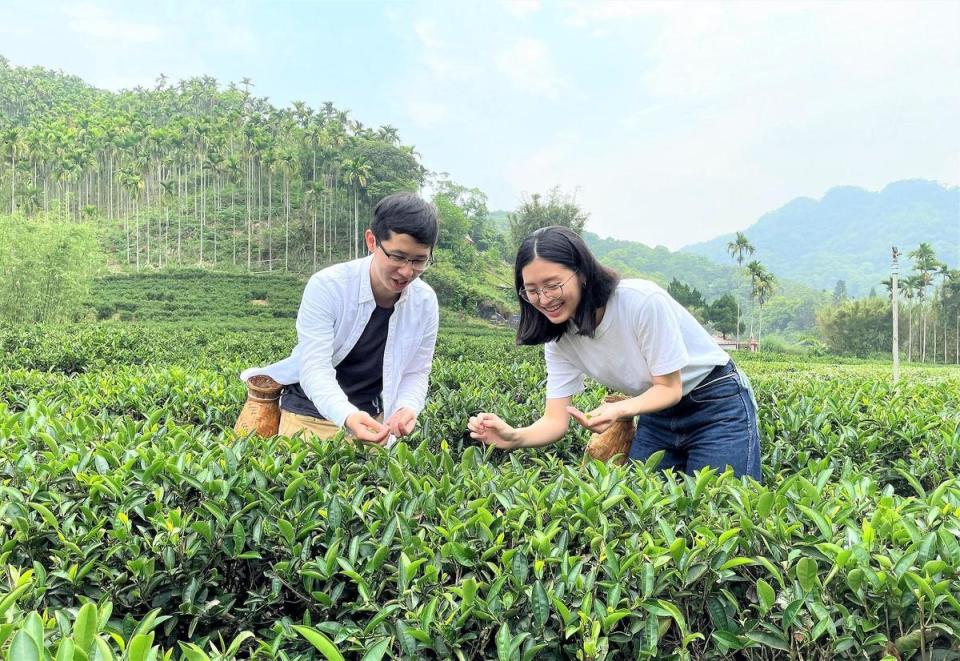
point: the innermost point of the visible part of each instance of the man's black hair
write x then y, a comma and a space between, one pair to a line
563, 246
405, 213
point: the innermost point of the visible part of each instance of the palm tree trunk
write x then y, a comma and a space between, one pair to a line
13, 180
136, 223
934, 355
910, 329
759, 325
148, 239
356, 225
270, 219
923, 335
203, 204
166, 213
738, 323
249, 216
233, 218
179, 222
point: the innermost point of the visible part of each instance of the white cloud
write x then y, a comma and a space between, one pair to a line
95, 21
438, 56
426, 31
528, 64
426, 113
547, 166
592, 14
522, 8
743, 106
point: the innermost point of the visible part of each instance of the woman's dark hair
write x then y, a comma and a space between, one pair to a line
562, 246
405, 213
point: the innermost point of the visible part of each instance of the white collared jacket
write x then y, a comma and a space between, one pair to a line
336, 306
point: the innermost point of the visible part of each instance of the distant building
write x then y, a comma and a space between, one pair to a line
730, 344
727, 344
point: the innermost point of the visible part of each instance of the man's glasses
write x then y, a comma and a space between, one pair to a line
549, 292
419, 265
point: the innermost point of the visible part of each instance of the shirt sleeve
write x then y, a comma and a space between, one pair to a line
564, 379
315, 330
412, 389
659, 335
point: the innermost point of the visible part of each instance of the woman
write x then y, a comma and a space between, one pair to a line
631, 336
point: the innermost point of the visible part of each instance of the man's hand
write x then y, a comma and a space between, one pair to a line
401, 422
367, 429
599, 419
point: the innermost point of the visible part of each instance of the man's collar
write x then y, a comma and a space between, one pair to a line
366, 287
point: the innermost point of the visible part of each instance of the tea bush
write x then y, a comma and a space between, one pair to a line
134, 523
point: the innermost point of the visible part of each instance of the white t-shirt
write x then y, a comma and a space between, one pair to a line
644, 333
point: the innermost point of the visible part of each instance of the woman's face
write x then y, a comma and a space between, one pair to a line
553, 289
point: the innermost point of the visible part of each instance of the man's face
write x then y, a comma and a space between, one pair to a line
390, 273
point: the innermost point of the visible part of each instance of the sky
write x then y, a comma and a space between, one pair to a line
669, 123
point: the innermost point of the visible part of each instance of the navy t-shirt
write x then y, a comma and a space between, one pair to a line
360, 374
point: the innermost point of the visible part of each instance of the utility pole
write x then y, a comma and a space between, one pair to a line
894, 272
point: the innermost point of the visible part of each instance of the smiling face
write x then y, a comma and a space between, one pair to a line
540, 273
388, 279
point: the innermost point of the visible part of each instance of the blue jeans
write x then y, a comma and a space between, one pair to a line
715, 424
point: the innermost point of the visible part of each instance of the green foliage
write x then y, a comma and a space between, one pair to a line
722, 314
685, 295
794, 313
840, 292
861, 327
46, 268
454, 224
440, 549
633, 259
255, 186
188, 296
467, 281
537, 211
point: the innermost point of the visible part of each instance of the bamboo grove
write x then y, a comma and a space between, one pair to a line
195, 173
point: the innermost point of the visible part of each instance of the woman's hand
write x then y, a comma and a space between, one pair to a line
490, 429
599, 419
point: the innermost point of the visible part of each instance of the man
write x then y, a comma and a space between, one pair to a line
366, 331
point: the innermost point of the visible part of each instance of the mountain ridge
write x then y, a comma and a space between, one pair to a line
847, 233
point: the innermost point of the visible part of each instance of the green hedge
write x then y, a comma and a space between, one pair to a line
124, 485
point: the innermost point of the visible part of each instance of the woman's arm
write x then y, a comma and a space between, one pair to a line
549, 428
664, 393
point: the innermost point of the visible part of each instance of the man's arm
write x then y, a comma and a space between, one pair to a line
315, 331
412, 389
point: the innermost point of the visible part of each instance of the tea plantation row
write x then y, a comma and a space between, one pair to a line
122, 487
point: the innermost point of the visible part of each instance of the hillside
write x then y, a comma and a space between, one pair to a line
848, 233
659, 264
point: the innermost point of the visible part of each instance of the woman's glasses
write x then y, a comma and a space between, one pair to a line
549, 292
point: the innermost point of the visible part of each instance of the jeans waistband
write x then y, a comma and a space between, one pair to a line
717, 372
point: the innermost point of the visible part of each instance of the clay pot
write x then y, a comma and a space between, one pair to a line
616, 440
261, 411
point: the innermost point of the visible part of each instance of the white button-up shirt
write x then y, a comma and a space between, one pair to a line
336, 306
